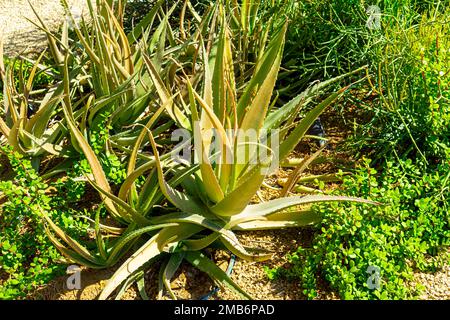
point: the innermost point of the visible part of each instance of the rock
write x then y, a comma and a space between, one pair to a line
20, 36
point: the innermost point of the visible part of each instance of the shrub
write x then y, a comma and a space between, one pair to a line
411, 110
28, 258
408, 233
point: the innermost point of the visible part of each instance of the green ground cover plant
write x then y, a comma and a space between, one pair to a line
28, 259
409, 232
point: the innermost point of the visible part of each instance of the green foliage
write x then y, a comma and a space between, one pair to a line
43, 77
411, 110
404, 235
28, 259
331, 37
115, 169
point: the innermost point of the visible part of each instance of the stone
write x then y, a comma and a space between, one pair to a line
22, 37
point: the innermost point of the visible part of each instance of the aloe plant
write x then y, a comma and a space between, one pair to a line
104, 77
215, 200
32, 134
209, 199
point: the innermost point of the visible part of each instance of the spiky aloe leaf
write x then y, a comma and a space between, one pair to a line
166, 99
199, 244
254, 116
238, 199
145, 23
233, 244
115, 252
263, 209
291, 141
133, 214
280, 221
222, 73
180, 200
78, 248
293, 178
97, 170
129, 282
70, 254
275, 118
212, 186
200, 261
169, 271
149, 250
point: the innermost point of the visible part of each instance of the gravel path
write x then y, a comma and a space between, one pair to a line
20, 36
436, 286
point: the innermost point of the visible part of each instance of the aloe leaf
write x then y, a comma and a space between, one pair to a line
135, 216
39, 121
213, 118
131, 178
128, 283
149, 250
114, 253
97, 170
197, 219
254, 116
99, 238
140, 282
227, 236
133, 157
222, 72
59, 57
288, 145
41, 144
146, 22
70, 254
194, 12
148, 192
239, 250
4, 128
125, 49
160, 36
274, 119
177, 198
238, 199
166, 100
331, 177
169, 271
199, 244
282, 220
82, 251
212, 186
180, 177
293, 178
276, 205
268, 60
213, 121
200, 261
